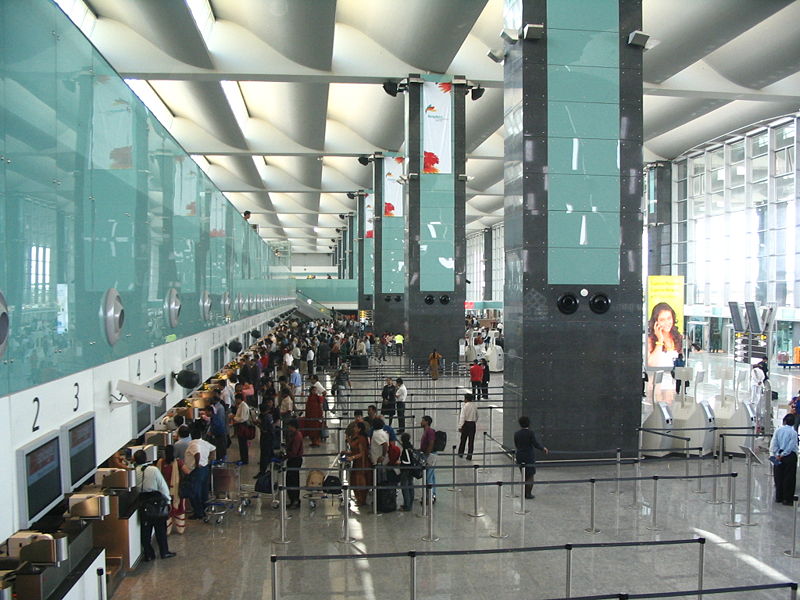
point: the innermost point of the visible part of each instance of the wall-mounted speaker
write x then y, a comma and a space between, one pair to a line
568, 303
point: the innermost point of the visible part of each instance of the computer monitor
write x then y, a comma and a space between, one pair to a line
40, 483
143, 418
78, 451
161, 386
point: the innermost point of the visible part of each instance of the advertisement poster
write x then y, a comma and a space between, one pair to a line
392, 188
369, 217
437, 131
664, 335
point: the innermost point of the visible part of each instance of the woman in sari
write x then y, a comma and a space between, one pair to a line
173, 470
361, 475
314, 417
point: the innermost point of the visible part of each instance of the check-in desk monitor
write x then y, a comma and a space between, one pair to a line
78, 442
40, 471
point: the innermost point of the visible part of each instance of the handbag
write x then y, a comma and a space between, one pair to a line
154, 506
243, 430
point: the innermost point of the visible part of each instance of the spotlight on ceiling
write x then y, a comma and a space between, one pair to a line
638, 38
338, 230
477, 92
341, 217
391, 88
497, 56
364, 159
533, 31
352, 196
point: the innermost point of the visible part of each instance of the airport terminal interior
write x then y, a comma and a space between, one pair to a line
254, 218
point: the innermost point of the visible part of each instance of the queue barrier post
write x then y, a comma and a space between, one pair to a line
274, 583
346, 539
701, 566
568, 578
619, 471
749, 497
592, 529
511, 493
375, 490
491, 413
793, 552
475, 510
283, 539
412, 575
732, 487
498, 534
715, 486
699, 489
453, 487
483, 468
654, 506
686, 457
431, 536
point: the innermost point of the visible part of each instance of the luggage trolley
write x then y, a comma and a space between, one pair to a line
227, 493
325, 486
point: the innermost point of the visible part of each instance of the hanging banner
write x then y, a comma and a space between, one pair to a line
437, 134
392, 188
664, 335
369, 217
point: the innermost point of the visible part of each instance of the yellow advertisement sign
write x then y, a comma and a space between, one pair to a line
664, 339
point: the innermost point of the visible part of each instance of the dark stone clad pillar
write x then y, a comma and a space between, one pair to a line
436, 223
487, 263
573, 225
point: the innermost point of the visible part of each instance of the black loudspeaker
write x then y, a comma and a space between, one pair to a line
599, 303
368, 298
255, 334
235, 346
568, 303
429, 299
187, 378
387, 298
444, 299
398, 298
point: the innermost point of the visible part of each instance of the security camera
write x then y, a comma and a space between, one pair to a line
140, 393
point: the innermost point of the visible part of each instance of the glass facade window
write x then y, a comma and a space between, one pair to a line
735, 222
475, 267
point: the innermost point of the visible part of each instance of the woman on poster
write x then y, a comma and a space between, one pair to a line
664, 343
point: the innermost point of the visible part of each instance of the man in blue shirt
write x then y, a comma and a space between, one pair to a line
784, 471
295, 381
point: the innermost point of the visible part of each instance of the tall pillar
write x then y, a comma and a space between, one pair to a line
390, 228
351, 235
487, 263
339, 260
658, 211
435, 250
366, 250
573, 225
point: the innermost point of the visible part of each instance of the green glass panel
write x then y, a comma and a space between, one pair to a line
595, 15
328, 291
582, 156
369, 266
584, 193
583, 120
95, 194
393, 266
582, 48
588, 266
593, 84
583, 229
437, 233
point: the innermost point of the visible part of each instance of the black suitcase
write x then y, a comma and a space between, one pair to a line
387, 498
359, 362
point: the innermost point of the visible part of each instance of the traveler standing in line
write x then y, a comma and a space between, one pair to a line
401, 394
199, 454
241, 425
361, 474
433, 364
310, 361
150, 483
389, 396
218, 427
398, 344
184, 437
341, 385
426, 445
485, 379
525, 441
783, 452
294, 460
467, 422
173, 470
476, 378
406, 475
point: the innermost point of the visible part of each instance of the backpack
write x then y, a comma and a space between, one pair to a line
440, 442
418, 462
394, 453
254, 417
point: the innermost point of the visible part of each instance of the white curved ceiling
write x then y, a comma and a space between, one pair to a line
277, 98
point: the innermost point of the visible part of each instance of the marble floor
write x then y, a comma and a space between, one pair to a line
232, 559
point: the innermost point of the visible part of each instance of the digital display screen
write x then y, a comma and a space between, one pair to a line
82, 458
161, 386
43, 474
143, 417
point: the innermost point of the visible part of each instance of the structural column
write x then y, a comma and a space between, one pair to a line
435, 251
573, 225
366, 250
351, 235
488, 257
389, 231
658, 212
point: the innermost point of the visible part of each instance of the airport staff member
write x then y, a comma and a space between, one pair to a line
784, 450
525, 441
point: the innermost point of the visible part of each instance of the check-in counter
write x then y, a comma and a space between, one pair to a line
119, 534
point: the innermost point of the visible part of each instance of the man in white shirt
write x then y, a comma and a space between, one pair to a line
400, 401
199, 454
467, 422
379, 443
310, 360
151, 483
